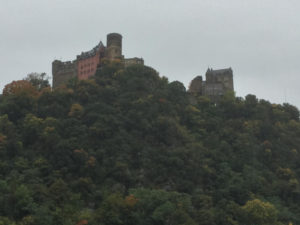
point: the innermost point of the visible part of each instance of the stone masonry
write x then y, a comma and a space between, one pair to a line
86, 64
63, 72
217, 83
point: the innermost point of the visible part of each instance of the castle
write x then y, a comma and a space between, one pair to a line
86, 64
217, 83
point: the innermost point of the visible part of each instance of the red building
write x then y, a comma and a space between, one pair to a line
87, 62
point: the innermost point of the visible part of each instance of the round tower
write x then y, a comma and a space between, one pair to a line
114, 46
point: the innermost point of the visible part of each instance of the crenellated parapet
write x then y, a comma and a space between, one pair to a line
133, 61
63, 71
86, 63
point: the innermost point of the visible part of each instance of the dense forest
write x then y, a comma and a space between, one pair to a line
129, 147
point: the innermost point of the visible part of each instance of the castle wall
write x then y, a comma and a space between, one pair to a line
214, 89
87, 63
87, 67
223, 76
62, 72
133, 61
217, 83
227, 80
196, 85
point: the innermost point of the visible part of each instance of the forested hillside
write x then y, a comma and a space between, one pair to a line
128, 147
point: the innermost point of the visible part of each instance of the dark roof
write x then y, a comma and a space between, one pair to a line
197, 78
92, 52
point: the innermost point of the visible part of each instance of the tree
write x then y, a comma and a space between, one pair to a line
20, 87
162, 207
114, 211
292, 111
6, 221
76, 110
38, 80
24, 204
259, 213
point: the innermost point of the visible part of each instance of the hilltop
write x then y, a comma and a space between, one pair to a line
129, 147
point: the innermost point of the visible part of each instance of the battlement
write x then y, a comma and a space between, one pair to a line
87, 62
63, 71
98, 48
217, 82
133, 61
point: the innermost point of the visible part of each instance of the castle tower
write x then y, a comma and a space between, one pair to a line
87, 63
196, 85
63, 72
114, 46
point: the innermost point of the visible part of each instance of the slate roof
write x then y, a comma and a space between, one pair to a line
91, 53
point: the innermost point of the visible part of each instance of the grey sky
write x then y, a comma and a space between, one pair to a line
259, 39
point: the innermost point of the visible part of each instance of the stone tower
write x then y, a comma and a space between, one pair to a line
114, 46
87, 63
63, 72
196, 85
217, 83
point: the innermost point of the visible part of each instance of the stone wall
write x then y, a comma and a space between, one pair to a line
217, 83
133, 61
196, 85
224, 76
214, 89
87, 63
62, 72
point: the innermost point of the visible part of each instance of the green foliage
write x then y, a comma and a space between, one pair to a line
38, 80
162, 207
259, 212
130, 147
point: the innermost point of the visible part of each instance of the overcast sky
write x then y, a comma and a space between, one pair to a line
259, 39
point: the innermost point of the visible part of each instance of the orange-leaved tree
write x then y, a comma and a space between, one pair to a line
20, 87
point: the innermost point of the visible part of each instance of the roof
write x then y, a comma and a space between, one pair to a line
92, 52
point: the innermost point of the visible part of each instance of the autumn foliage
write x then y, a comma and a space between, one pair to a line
131, 200
83, 222
20, 87
127, 147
